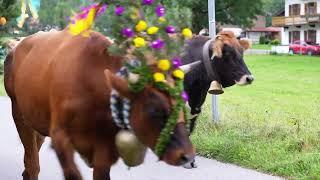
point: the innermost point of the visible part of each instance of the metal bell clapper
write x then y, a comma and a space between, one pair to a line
215, 88
130, 149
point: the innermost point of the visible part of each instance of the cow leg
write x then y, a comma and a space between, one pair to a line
65, 153
62, 145
104, 157
31, 143
194, 115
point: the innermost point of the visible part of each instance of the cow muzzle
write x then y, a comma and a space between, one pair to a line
180, 150
245, 80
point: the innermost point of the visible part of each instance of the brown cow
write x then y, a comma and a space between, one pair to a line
60, 87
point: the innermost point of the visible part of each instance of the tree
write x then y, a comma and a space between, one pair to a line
271, 7
236, 12
9, 9
56, 12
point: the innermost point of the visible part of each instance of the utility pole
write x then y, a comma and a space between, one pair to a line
212, 33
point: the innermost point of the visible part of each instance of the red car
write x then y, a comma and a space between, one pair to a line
305, 48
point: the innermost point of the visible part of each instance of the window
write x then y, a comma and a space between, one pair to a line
294, 10
311, 8
310, 36
294, 36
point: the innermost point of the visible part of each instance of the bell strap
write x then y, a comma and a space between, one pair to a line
207, 60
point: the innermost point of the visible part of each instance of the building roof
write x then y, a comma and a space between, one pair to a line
267, 29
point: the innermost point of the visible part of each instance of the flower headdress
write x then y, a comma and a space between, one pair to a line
142, 32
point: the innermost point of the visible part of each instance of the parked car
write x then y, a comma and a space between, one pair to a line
302, 47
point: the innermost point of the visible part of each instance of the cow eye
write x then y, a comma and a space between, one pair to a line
156, 110
158, 115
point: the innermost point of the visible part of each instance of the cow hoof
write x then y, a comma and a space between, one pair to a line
26, 176
190, 165
73, 177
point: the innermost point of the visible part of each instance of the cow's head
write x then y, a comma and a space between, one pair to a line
228, 63
150, 111
226, 53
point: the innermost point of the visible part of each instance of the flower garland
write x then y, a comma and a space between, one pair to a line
142, 32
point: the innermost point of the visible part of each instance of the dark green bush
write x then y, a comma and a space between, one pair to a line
3, 53
275, 42
262, 40
1, 67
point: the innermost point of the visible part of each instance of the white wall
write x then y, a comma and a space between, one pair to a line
318, 36
285, 38
255, 36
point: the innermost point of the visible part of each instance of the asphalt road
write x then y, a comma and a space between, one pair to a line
11, 162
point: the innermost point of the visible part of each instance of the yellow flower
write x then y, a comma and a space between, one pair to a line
164, 64
152, 30
82, 25
139, 42
187, 33
162, 19
159, 77
141, 26
178, 74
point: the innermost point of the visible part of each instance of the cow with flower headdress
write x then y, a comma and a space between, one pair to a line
105, 99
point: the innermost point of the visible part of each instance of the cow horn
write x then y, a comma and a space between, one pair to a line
188, 67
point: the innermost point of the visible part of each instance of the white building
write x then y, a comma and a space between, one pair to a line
300, 21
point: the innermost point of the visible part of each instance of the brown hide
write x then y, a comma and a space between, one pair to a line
57, 86
228, 38
60, 87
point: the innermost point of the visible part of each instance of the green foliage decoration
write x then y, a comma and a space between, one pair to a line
145, 30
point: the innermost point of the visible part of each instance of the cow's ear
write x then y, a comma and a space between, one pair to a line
118, 83
245, 44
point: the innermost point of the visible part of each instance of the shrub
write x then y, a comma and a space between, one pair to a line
262, 40
275, 42
3, 53
1, 67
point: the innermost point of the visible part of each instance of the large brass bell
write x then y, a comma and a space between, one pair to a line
130, 149
215, 88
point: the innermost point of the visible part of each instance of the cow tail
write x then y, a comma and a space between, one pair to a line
8, 84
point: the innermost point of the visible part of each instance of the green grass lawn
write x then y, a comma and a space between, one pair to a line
272, 125
261, 46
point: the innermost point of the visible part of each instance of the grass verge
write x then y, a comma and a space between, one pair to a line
262, 46
272, 125
2, 90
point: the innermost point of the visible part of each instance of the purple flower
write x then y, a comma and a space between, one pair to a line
73, 21
147, 2
119, 10
102, 10
160, 10
185, 96
83, 14
170, 29
157, 44
128, 32
176, 62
